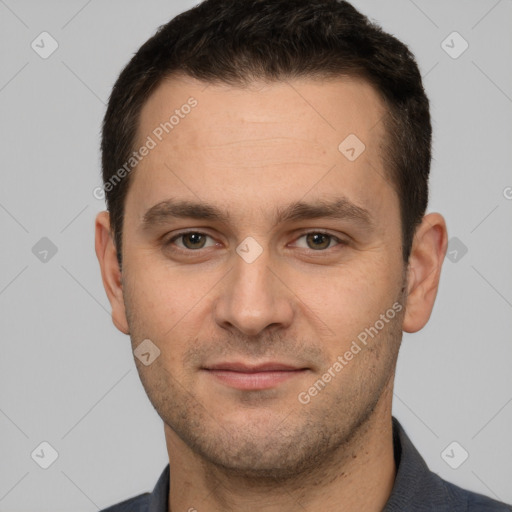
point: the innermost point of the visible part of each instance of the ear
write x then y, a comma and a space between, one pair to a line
110, 271
424, 270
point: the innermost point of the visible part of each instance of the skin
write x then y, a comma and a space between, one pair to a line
249, 151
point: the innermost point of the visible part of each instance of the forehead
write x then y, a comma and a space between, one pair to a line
315, 108
265, 142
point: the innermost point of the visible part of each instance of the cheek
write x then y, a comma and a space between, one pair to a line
164, 302
349, 300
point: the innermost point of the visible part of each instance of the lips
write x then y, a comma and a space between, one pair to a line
253, 377
245, 368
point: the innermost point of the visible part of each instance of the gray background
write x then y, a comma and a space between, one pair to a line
67, 376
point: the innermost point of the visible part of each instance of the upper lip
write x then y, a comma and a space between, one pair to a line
253, 368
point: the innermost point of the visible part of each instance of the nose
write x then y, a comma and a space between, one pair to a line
253, 297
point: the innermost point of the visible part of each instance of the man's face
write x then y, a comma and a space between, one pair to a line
298, 292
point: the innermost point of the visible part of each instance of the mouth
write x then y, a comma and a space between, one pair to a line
253, 377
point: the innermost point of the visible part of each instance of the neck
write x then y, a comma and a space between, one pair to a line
358, 476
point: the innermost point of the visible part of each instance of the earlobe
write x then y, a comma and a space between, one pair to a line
110, 272
424, 271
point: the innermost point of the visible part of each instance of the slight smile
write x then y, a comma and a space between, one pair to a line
255, 377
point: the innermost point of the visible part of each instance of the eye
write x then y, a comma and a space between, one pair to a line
191, 240
318, 240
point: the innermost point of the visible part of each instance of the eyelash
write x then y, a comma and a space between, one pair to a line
339, 241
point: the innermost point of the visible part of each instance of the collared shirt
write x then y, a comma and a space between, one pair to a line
416, 488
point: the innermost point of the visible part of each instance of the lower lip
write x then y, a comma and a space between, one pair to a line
255, 380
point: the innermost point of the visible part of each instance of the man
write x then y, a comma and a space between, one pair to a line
266, 164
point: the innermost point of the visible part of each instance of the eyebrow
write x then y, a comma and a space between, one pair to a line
337, 208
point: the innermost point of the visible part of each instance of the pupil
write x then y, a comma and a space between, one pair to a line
319, 237
194, 238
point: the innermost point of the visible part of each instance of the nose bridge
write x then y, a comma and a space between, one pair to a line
251, 280
251, 297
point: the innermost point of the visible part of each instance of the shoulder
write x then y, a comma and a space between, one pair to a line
420, 489
138, 503
473, 502
156, 501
